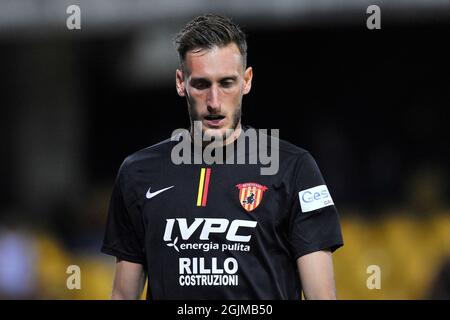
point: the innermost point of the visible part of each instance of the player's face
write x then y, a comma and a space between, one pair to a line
213, 83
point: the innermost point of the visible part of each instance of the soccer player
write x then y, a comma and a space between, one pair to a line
220, 231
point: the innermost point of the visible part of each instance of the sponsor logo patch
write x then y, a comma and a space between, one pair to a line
315, 198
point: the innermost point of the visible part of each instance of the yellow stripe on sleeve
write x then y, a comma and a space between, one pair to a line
200, 187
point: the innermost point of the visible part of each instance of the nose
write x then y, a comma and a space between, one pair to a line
212, 102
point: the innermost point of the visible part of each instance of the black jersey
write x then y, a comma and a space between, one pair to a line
220, 231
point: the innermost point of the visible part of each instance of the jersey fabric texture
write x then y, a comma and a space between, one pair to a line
220, 231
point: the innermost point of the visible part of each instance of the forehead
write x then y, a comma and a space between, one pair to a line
214, 62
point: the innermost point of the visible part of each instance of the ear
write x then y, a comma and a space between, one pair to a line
179, 79
248, 76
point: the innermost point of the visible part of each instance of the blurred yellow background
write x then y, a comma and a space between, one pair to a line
409, 251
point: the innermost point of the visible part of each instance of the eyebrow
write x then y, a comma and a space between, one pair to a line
234, 78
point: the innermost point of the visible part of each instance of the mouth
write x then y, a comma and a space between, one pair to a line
214, 120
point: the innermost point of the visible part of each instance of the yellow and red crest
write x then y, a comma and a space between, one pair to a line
250, 195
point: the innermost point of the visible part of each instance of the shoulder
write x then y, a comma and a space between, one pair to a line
297, 161
153, 154
286, 148
291, 150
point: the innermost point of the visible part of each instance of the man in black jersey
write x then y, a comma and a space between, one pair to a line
220, 231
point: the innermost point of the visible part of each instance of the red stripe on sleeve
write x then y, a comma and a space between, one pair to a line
205, 191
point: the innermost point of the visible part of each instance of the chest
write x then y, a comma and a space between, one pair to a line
223, 203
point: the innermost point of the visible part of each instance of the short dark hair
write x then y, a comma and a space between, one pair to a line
207, 31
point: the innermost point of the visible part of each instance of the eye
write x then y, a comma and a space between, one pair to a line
200, 85
227, 83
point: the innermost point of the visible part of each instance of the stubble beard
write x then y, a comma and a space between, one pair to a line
235, 122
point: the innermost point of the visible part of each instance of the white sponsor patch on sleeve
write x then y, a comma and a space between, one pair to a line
315, 198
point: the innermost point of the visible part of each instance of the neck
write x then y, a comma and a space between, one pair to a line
234, 135
195, 130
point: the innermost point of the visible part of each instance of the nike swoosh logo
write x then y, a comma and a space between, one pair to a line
150, 195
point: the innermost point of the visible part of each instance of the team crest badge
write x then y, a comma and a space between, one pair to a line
250, 195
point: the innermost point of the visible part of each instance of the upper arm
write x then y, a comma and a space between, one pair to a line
124, 230
129, 280
316, 275
314, 230
313, 218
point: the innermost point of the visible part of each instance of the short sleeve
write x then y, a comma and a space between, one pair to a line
314, 219
124, 235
